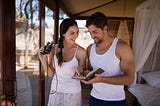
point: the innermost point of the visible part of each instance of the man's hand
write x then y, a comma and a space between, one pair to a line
96, 79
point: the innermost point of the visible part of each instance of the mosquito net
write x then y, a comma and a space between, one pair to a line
146, 33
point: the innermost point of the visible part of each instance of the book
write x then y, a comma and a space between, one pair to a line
89, 75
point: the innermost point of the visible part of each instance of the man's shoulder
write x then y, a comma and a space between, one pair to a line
123, 46
121, 43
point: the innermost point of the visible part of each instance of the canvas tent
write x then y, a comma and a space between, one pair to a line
146, 48
81, 9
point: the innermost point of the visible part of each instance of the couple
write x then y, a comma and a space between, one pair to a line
67, 58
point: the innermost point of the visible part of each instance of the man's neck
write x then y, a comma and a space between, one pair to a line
106, 42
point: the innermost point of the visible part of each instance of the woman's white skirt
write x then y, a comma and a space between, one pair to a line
65, 99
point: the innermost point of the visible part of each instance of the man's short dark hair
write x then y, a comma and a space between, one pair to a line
98, 19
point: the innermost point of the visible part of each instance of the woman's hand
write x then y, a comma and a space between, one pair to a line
40, 51
78, 74
41, 56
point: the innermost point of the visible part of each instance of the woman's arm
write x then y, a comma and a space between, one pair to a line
88, 65
81, 56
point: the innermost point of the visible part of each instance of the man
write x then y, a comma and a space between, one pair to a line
112, 55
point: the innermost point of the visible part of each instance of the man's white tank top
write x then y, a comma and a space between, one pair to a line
111, 64
64, 76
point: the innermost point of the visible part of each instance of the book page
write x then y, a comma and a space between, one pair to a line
90, 75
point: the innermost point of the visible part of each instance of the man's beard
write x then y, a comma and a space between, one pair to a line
98, 41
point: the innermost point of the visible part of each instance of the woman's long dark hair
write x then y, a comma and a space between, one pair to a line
64, 26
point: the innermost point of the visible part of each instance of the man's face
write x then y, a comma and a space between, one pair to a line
96, 33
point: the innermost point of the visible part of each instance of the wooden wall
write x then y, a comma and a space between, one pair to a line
114, 23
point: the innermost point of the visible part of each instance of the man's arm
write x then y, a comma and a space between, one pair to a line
124, 53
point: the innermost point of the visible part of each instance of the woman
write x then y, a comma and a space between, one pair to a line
64, 61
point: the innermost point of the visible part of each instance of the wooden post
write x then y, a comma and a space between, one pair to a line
41, 42
7, 49
56, 22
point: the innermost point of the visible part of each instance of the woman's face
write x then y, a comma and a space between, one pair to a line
71, 35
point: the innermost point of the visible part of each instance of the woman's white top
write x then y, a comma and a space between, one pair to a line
111, 64
64, 81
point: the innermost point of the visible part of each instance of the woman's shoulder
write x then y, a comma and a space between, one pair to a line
81, 50
81, 53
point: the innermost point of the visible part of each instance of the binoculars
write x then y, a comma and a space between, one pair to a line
47, 48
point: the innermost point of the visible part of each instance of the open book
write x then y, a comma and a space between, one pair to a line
89, 75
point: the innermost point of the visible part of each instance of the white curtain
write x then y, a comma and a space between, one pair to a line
153, 61
146, 31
